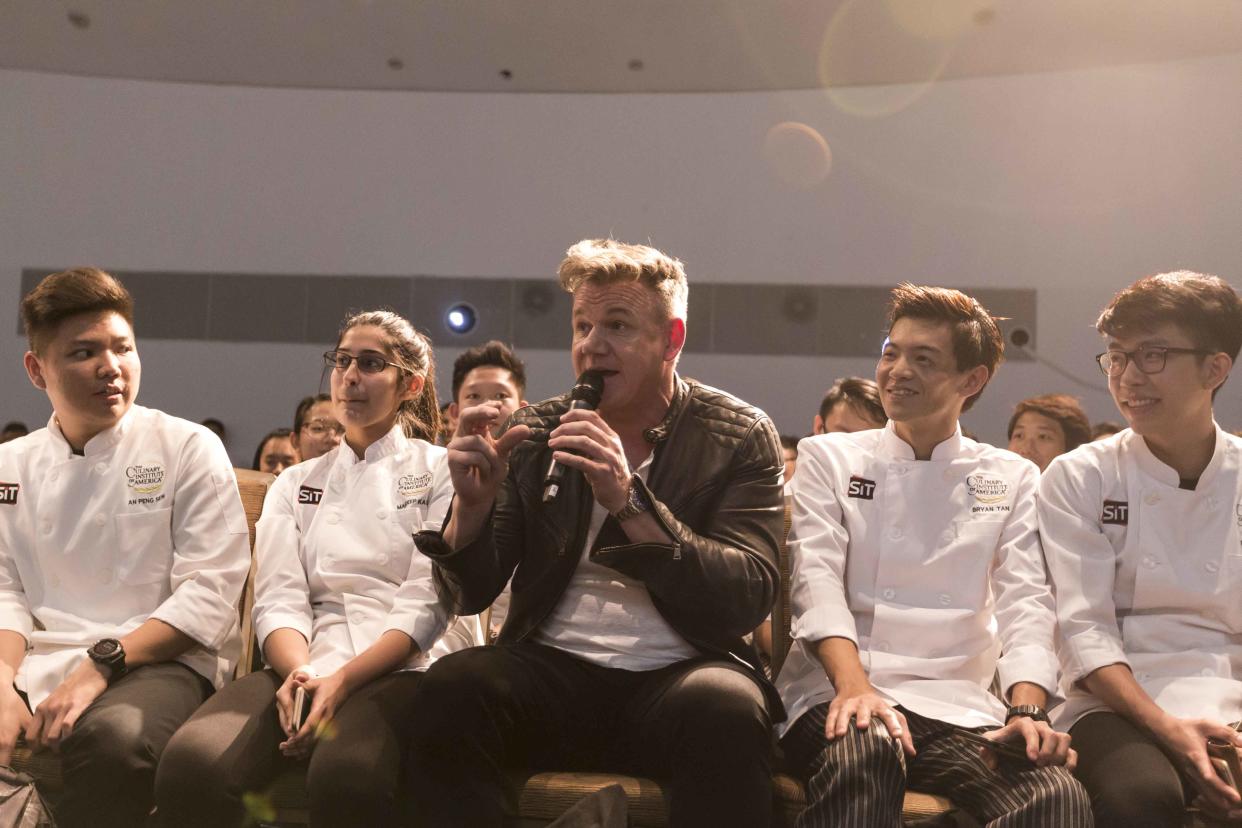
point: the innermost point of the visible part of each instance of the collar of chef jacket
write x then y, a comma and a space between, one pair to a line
894, 448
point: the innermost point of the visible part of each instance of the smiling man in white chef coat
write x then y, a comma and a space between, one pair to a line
917, 578
1142, 533
123, 550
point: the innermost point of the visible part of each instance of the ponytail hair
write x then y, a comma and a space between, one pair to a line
420, 416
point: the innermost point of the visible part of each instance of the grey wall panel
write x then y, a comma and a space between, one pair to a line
851, 320
774, 319
541, 314
247, 307
700, 328
331, 298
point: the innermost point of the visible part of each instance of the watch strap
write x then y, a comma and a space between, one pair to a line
1030, 711
635, 503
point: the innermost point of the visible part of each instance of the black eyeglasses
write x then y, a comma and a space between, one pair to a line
367, 363
322, 427
1150, 359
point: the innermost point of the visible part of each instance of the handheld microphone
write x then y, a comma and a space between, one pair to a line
585, 394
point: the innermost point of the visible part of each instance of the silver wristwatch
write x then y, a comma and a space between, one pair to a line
635, 503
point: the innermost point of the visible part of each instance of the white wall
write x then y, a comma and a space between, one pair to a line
1073, 183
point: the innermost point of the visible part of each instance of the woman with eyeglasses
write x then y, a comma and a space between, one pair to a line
315, 428
345, 608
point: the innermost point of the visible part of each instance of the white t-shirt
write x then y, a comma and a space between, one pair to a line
608, 618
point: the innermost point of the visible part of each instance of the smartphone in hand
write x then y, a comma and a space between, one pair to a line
1227, 760
301, 708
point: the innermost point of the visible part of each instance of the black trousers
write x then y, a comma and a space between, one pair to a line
230, 748
108, 762
859, 780
701, 726
1131, 781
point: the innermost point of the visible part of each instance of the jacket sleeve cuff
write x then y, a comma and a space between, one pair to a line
1032, 664
424, 622
200, 613
14, 616
271, 622
1089, 651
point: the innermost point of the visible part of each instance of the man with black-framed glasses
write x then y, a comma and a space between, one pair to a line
1142, 536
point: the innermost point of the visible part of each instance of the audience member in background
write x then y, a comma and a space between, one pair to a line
1141, 535
490, 372
216, 427
345, 608
1105, 429
13, 430
851, 404
917, 580
447, 426
315, 429
1044, 427
123, 550
789, 449
276, 452
634, 585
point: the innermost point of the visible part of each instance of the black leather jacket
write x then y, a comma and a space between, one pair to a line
714, 485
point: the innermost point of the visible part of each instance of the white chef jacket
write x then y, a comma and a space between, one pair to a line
1147, 574
147, 524
933, 569
336, 555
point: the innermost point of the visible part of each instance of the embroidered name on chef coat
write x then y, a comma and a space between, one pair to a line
412, 490
1116, 513
861, 487
8, 493
310, 496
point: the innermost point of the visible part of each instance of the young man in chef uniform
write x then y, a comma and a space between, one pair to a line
1141, 531
917, 579
123, 550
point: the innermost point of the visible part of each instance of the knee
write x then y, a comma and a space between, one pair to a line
1061, 794
1139, 800
109, 742
456, 690
190, 774
719, 704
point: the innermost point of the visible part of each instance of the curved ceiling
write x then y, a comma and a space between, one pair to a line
602, 45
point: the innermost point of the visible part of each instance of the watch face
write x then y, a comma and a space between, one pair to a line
106, 647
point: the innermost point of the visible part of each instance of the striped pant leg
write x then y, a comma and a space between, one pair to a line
857, 781
1015, 795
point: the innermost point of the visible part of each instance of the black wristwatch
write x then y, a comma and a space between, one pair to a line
109, 653
1030, 711
635, 503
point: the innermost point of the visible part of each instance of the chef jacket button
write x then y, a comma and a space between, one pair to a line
889, 594
945, 599
100, 468
1149, 562
334, 518
105, 575
356, 618
1211, 566
1143, 676
1213, 503
383, 559
1207, 671
895, 533
100, 519
880, 646
47, 527
948, 475
1152, 499
54, 476
382, 514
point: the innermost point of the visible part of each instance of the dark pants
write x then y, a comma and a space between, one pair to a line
108, 762
231, 748
860, 779
1131, 782
701, 726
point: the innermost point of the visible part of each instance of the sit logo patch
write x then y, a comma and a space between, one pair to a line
861, 488
1117, 513
310, 496
8, 493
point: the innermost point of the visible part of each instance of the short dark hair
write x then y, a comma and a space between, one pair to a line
1206, 308
976, 338
274, 434
69, 293
304, 407
860, 394
1062, 408
791, 443
491, 353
